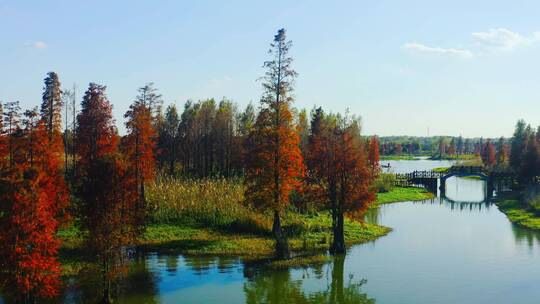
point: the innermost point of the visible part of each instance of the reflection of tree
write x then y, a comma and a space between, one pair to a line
527, 235
275, 287
171, 261
372, 216
224, 264
140, 285
199, 265
457, 205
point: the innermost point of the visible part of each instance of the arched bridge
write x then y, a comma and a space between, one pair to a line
430, 179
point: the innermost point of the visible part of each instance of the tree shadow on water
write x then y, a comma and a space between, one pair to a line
277, 286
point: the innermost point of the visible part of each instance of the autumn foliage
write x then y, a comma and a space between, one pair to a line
109, 172
107, 187
33, 203
138, 146
339, 170
373, 156
33, 198
274, 162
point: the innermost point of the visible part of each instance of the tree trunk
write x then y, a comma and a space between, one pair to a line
338, 244
106, 296
282, 245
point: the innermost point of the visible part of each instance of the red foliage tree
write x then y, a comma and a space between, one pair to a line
373, 155
138, 147
96, 134
107, 190
273, 169
274, 162
340, 170
29, 203
490, 156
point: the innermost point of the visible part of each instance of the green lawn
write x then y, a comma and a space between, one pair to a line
399, 194
518, 212
309, 236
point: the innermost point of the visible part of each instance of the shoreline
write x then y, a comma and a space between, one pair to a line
309, 246
517, 212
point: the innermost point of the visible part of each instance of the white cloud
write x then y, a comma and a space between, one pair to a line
503, 39
37, 44
40, 45
496, 39
421, 48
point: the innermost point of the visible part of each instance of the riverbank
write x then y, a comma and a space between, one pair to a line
455, 157
517, 211
309, 236
309, 240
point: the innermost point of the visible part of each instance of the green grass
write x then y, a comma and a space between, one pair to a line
300, 261
518, 212
209, 217
399, 194
309, 235
473, 177
441, 169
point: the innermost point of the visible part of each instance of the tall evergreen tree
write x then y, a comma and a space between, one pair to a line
12, 118
518, 144
51, 105
274, 163
150, 98
171, 126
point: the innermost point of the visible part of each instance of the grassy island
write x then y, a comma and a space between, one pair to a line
209, 218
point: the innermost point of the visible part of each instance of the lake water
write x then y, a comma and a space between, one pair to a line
456, 250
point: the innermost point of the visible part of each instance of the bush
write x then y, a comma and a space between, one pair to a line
385, 182
212, 202
252, 224
534, 203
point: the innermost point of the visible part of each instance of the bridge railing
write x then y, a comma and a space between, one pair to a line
467, 169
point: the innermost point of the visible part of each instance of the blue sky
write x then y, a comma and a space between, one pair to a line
455, 67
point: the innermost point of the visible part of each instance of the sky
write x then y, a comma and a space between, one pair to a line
468, 68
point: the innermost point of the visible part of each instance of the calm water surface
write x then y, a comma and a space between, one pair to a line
458, 249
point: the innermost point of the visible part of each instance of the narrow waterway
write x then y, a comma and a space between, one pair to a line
459, 249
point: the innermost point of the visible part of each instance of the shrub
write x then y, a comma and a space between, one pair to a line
207, 202
385, 182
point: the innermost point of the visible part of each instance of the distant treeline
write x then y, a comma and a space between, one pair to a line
439, 145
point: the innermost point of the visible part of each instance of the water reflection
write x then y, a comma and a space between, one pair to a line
406, 166
526, 236
462, 194
465, 190
146, 282
457, 243
275, 287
